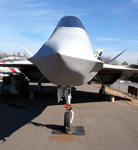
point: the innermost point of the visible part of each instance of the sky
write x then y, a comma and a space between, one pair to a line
111, 25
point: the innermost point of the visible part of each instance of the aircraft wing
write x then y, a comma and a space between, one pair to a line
119, 68
26, 67
21, 63
110, 73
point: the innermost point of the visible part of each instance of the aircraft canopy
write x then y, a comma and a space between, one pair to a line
70, 21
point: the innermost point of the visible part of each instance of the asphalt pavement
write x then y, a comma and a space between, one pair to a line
27, 124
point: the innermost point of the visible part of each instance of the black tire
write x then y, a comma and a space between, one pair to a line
102, 91
67, 121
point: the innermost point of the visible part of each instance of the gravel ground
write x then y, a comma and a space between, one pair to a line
117, 92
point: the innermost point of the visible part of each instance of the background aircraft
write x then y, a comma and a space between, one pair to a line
98, 53
5, 71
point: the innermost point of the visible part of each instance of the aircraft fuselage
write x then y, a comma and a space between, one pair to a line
67, 57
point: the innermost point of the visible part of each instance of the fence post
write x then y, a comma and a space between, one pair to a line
135, 92
128, 90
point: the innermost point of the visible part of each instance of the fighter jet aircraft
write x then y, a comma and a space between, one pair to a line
67, 60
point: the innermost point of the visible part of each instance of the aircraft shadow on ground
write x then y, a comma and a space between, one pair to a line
14, 115
77, 96
15, 112
50, 126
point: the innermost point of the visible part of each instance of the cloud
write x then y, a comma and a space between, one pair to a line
126, 57
133, 41
30, 23
134, 1
131, 5
11, 40
107, 39
113, 51
123, 10
115, 40
11, 47
119, 10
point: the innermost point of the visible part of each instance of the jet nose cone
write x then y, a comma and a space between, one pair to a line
64, 70
56, 70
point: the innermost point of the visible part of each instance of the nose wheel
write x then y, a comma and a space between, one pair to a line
67, 122
68, 118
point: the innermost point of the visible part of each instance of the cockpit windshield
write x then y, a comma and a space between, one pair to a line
70, 21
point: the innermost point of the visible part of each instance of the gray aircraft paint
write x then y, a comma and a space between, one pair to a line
67, 57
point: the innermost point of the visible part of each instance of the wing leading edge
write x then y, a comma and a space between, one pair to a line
17, 64
110, 73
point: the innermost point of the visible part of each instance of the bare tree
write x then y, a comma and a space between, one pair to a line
25, 55
19, 54
4, 54
107, 59
133, 66
14, 54
124, 63
115, 62
1, 54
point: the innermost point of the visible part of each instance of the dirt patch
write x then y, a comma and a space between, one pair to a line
135, 139
64, 138
110, 90
90, 114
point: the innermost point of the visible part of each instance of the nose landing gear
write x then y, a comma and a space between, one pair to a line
69, 114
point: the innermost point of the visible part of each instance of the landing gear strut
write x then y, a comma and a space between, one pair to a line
39, 88
69, 114
102, 92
